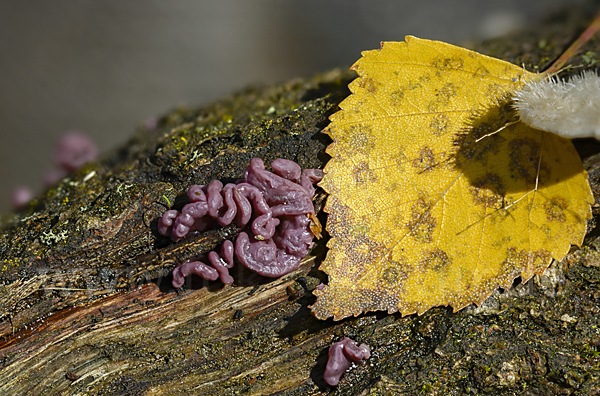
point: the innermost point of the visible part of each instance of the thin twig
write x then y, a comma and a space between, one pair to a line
582, 39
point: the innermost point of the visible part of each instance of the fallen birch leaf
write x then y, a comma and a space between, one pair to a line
428, 206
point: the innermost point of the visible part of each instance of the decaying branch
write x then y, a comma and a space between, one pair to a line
86, 305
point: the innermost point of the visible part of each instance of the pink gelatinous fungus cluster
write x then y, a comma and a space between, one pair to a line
71, 151
273, 210
21, 195
341, 356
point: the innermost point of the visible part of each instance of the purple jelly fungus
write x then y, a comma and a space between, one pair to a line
272, 208
341, 356
73, 149
151, 123
21, 196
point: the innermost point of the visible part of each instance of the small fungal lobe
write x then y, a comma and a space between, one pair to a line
341, 356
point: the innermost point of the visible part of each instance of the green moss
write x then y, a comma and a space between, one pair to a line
589, 57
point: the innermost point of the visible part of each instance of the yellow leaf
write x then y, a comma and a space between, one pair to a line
421, 212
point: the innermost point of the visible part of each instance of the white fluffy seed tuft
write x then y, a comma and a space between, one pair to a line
569, 109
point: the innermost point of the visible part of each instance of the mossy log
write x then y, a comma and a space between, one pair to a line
86, 305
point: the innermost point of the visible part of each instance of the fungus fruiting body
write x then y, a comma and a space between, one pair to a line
73, 149
274, 210
21, 195
341, 356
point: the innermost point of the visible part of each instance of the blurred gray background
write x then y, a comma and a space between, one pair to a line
105, 67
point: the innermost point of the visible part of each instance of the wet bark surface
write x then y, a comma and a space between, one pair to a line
86, 305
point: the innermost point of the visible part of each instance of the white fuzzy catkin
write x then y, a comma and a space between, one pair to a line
569, 109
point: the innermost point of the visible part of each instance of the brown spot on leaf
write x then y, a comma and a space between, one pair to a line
373, 300
555, 209
433, 106
422, 223
442, 97
469, 149
398, 218
368, 83
396, 97
392, 187
412, 85
481, 71
525, 159
355, 139
341, 218
445, 93
362, 174
436, 260
439, 124
424, 78
390, 276
399, 159
495, 89
360, 253
529, 262
488, 191
454, 63
425, 161
393, 274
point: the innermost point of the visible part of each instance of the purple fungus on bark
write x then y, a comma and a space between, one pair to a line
21, 196
73, 149
272, 209
150, 123
219, 269
341, 356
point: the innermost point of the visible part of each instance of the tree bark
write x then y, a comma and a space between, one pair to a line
86, 305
